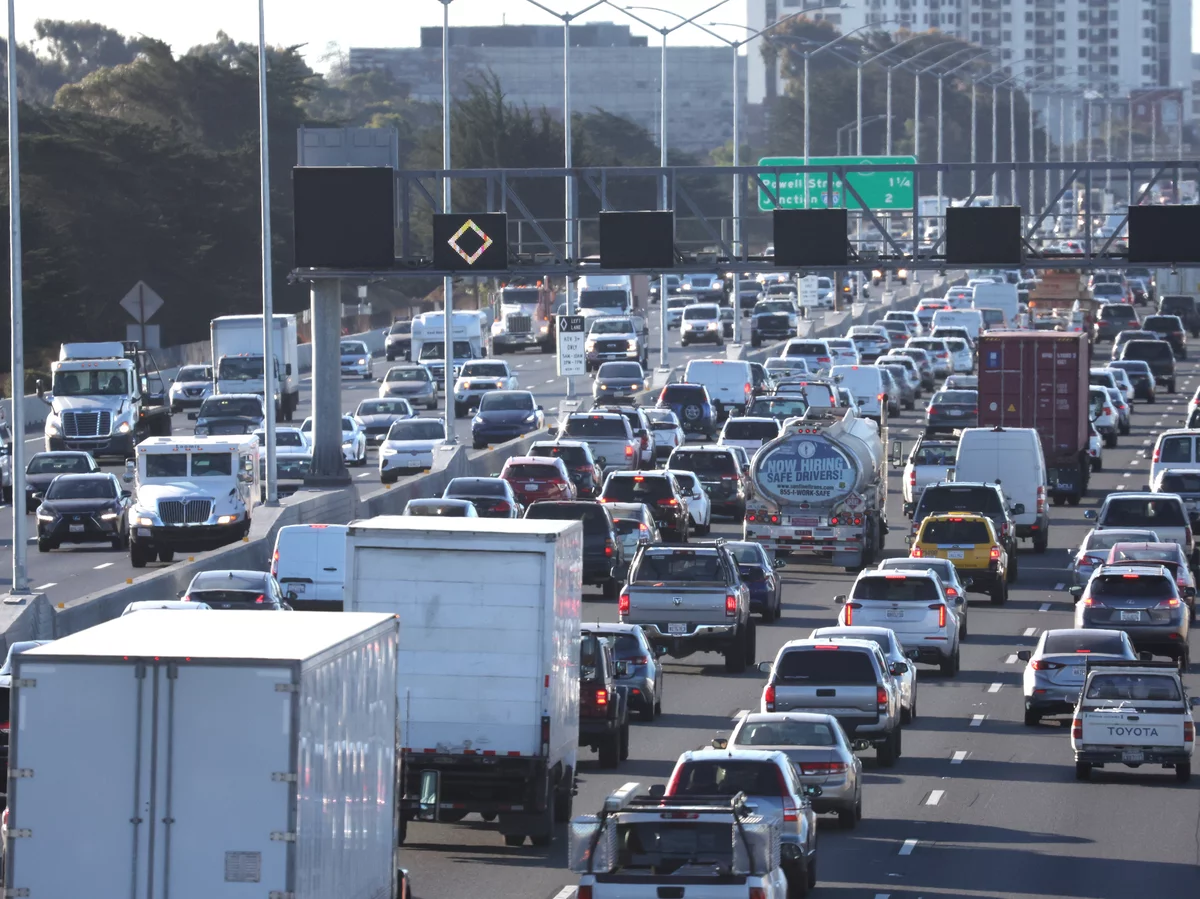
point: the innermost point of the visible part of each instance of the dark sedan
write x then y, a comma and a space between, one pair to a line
1170, 329
953, 409
493, 497
761, 576
619, 381
83, 508
45, 467
1112, 319
231, 413
604, 562
1140, 376
504, 415
238, 589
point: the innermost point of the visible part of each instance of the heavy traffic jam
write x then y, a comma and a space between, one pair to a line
785, 620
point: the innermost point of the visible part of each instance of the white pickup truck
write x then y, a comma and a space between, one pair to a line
1133, 714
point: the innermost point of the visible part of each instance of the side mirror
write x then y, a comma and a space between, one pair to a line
812, 791
287, 369
1075, 592
41, 389
1195, 701
908, 539
912, 654
765, 667
291, 596
541, 409
622, 667
658, 791
779, 563
1090, 514
431, 788
969, 582
193, 416
720, 743
1018, 509
245, 477
1144, 656
126, 494
1025, 655
840, 598
898, 668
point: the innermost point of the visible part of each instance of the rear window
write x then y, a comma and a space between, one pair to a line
786, 733
1160, 323
816, 667
537, 472
808, 349
593, 517
704, 462
956, 397
983, 500
683, 393
935, 455
476, 487
1117, 313
1175, 449
1155, 687
1147, 349
1180, 483
1132, 586
896, 588
596, 427
779, 407
637, 489
571, 455
233, 599
725, 777
679, 566
752, 430
1177, 305
1085, 642
1144, 513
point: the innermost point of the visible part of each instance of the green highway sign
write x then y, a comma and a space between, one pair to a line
879, 190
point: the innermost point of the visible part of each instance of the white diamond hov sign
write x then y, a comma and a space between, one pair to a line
572, 357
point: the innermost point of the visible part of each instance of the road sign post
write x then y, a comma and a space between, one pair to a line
572, 358
879, 190
142, 302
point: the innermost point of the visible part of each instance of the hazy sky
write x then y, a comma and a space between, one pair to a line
363, 23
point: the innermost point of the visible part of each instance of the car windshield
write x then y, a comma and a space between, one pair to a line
240, 407
240, 368
1145, 687
1130, 512
354, 348
407, 374
1083, 641
784, 306
1147, 349
611, 326
956, 397
945, 498
1132, 366
1180, 482
744, 429
726, 777
292, 467
289, 438
637, 489
484, 370
699, 313
384, 407
603, 299
746, 553
956, 532
504, 401
211, 464
703, 462
401, 328
619, 370
678, 566
1130, 586
93, 382
193, 373
597, 426
787, 732
417, 429
820, 666
47, 464
82, 488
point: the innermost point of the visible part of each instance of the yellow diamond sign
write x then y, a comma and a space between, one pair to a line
470, 258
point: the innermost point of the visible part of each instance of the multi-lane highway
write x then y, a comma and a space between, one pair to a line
978, 806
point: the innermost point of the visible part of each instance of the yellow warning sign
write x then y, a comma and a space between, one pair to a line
1012, 407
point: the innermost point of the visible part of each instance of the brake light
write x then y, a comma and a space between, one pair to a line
1107, 411
1189, 736
995, 554
669, 501
602, 696
500, 507
823, 768
639, 660
930, 411
822, 358
941, 610
881, 397
186, 598
1171, 603
790, 812
769, 697
1157, 453
850, 607
917, 553
1041, 499
731, 604
628, 450
1042, 665
260, 599
4, 727
608, 547
758, 893
912, 478
623, 602
951, 592
1077, 729
881, 697
274, 563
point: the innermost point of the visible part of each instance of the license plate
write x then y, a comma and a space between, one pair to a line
803, 522
954, 413
895, 613
955, 554
296, 588
76, 529
143, 532
1131, 616
1133, 755
531, 486
676, 628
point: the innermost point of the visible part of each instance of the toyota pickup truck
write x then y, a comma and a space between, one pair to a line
603, 704
1133, 714
690, 599
608, 434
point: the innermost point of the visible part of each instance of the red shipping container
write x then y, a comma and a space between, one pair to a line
1037, 379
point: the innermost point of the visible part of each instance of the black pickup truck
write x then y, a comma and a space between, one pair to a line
603, 705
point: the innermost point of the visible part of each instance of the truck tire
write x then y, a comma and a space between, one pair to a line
545, 836
797, 879
138, 556
949, 668
735, 656
999, 592
610, 751
402, 831
564, 797
166, 555
1012, 567
612, 589
755, 341
1083, 771
1110, 441
1040, 539
886, 751
1183, 772
625, 738
514, 839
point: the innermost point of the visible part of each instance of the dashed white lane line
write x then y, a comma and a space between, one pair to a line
1126, 474
1145, 443
883, 896
1029, 631
102, 565
957, 758
994, 688
908, 847
1120, 486
1059, 586
1044, 607
935, 797
1011, 660
565, 893
977, 720
47, 586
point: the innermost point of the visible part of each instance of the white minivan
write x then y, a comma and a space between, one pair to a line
1011, 457
310, 561
867, 385
730, 383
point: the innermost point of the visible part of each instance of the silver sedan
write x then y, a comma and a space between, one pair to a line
893, 651
1055, 669
817, 747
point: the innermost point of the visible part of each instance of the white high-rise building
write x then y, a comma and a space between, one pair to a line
1114, 47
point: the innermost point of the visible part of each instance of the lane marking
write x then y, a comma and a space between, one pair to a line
1126, 474
995, 688
47, 586
1059, 586
565, 892
102, 565
935, 797
957, 758
908, 847
1120, 486
1044, 607
1030, 631
1011, 660
1145, 443
977, 720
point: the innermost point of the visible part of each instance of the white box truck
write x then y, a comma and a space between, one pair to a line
222, 754
237, 352
488, 680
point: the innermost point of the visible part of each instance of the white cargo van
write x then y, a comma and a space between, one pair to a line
970, 319
998, 296
1012, 458
867, 385
310, 561
730, 382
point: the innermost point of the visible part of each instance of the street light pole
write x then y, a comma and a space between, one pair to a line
448, 281
267, 300
862, 64
20, 583
1012, 144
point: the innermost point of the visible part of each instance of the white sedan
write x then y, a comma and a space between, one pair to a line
409, 447
698, 503
354, 439
288, 441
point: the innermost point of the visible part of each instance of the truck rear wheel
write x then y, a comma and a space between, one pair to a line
886, 752
610, 750
625, 740
735, 656
564, 798
545, 836
1183, 772
1083, 771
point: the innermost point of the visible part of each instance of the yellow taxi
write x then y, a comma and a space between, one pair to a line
970, 542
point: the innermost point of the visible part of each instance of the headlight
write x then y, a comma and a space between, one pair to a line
532, 416
109, 516
362, 361
46, 516
387, 451
589, 345
51, 427
477, 420
124, 427
712, 326
227, 519
544, 329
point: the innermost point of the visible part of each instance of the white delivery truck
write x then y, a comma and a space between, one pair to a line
429, 341
248, 754
998, 296
237, 351
488, 679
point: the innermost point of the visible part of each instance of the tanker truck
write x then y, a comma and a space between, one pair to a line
821, 490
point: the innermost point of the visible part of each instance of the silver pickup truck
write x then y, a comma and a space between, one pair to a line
849, 679
690, 599
608, 434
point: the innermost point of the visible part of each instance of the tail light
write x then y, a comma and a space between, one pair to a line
1157, 453
275, 563
4, 728
1187, 534
638, 660
1189, 736
912, 478
995, 554
608, 546
811, 768
952, 592
917, 553
1171, 603
1041, 499
602, 697
668, 501
822, 358
755, 893
260, 599
941, 610
628, 450
769, 698
731, 604
1107, 410
187, 597
790, 811
881, 397
1042, 665
850, 607
1092, 601
1077, 729
881, 697
930, 411
500, 507
623, 602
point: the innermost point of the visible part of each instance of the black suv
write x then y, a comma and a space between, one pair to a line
979, 498
660, 493
1112, 319
604, 562
1169, 328
1158, 354
719, 473
603, 705
1185, 307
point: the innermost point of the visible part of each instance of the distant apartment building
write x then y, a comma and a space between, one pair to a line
611, 69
